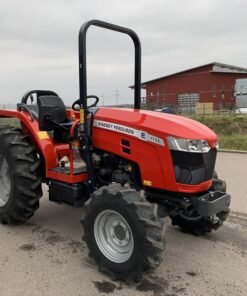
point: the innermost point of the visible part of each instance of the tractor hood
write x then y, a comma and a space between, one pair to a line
158, 124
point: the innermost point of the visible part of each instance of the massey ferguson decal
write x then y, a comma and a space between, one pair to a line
144, 136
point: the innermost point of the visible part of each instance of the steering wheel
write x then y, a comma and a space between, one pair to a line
76, 104
38, 93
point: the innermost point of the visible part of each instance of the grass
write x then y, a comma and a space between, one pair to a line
9, 121
225, 124
231, 129
233, 142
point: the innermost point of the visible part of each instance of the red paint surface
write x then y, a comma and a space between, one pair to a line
51, 151
154, 160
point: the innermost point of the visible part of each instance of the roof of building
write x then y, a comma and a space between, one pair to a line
216, 67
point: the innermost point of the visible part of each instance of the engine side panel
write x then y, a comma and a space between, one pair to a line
112, 126
145, 155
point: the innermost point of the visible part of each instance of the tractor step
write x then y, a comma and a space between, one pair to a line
66, 170
72, 194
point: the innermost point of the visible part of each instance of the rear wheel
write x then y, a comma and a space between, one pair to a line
20, 178
193, 223
123, 232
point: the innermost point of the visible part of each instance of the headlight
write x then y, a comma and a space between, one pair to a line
188, 145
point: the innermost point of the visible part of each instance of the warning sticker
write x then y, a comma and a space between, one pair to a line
43, 135
144, 136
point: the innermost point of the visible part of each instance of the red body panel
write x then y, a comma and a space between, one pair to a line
154, 160
51, 152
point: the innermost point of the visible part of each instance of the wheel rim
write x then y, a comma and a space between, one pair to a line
4, 182
113, 236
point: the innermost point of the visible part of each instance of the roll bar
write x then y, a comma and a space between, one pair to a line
83, 61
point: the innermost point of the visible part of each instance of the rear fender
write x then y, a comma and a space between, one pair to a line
41, 140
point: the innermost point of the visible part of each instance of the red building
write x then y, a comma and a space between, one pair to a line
213, 82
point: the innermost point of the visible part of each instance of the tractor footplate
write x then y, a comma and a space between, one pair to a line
66, 171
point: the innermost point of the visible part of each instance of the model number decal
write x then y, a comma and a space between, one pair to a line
144, 136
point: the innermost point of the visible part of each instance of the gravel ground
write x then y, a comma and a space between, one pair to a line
47, 257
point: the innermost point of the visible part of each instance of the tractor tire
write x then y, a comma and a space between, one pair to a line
123, 232
199, 225
20, 177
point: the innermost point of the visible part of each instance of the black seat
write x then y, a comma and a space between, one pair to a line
53, 117
33, 109
53, 108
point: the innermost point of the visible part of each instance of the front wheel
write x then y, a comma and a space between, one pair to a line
123, 232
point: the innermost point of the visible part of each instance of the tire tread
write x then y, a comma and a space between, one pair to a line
25, 169
153, 229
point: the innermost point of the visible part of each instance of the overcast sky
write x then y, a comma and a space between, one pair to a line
39, 42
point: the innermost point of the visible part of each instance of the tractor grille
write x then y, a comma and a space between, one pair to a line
193, 168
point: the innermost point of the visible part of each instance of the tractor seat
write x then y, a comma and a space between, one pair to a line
52, 116
53, 107
53, 104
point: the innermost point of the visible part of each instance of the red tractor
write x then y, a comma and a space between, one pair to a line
129, 168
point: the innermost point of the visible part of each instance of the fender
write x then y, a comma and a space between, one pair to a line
44, 143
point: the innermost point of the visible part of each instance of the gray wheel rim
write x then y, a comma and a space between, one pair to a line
113, 236
4, 182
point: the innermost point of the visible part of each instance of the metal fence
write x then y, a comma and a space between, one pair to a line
189, 107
